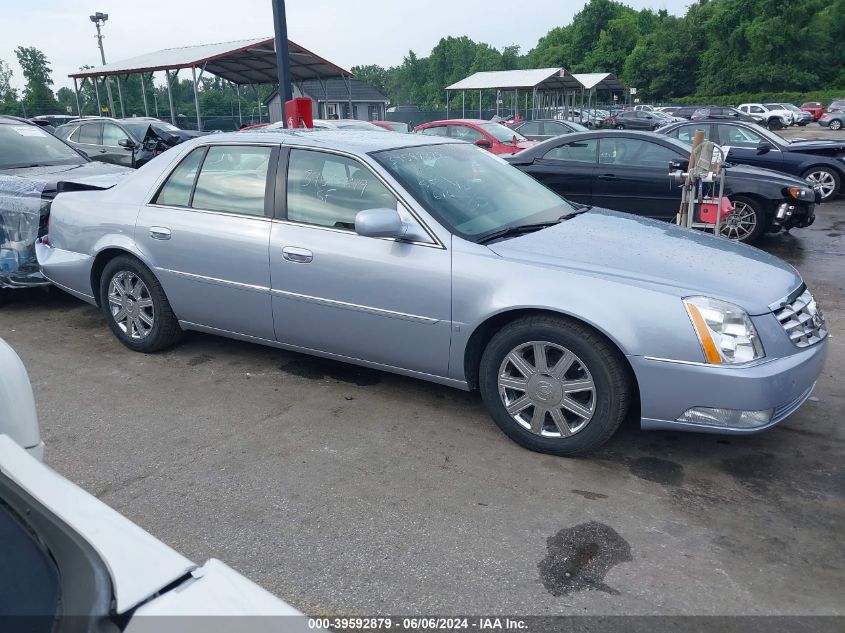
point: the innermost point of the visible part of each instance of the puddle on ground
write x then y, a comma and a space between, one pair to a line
202, 359
660, 471
579, 557
321, 368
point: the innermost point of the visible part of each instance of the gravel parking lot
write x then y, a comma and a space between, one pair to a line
345, 490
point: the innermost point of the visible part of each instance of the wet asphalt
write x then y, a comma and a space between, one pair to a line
345, 490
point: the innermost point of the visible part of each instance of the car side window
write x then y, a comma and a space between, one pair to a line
686, 133
75, 135
579, 152
233, 179
329, 190
438, 130
757, 109
736, 136
532, 127
112, 135
465, 133
635, 153
176, 192
91, 133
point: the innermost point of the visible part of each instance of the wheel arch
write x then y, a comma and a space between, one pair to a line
484, 332
101, 260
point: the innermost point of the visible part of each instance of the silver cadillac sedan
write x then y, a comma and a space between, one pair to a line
434, 259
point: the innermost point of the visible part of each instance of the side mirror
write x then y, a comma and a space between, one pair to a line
483, 142
379, 223
763, 147
127, 144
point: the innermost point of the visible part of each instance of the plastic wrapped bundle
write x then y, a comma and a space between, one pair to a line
21, 210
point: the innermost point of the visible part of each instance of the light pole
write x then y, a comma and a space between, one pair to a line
99, 19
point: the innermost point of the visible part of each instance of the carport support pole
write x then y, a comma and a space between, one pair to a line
447, 104
97, 92
196, 99
479, 104
464, 104
144, 95
170, 97
120, 98
76, 90
280, 23
240, 116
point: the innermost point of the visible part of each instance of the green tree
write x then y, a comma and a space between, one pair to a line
38, 97
8, 95
372, 74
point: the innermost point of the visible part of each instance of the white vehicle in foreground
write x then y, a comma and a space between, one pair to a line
72, 564
770, 115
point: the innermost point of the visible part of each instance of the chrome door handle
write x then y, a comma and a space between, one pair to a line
297, 255
159, 233
607, 177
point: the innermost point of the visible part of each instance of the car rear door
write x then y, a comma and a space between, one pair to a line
89, 138
568, 169
112, 151
336, 292
633, 176
206, 231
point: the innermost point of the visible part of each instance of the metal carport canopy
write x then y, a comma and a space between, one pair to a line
539, 78
599, 81
241, 62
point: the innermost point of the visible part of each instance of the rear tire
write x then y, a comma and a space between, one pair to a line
135, 306
774, 124
619, 126
836, 124
577, 386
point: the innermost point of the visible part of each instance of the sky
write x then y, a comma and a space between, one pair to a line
346, 32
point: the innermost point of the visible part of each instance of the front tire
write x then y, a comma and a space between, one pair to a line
135, 306
620, 126
746, 223
554, 385
826, 179
775, 124
836, 124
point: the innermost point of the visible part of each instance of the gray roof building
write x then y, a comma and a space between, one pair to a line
336, 98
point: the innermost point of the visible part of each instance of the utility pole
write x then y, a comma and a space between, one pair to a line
282, 55
99, 19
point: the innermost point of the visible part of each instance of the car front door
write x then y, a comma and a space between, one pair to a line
747, 147
533, 130
569, 170
377, 300
633, 176
207, 231
114, 152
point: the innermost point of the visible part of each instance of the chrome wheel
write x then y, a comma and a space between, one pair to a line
824, 180
547, 389
836, 124
131, 305
740, 223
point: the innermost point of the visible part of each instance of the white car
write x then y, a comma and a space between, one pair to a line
770, 115
75, 560
333, 124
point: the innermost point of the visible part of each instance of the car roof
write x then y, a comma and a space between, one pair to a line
459, 121
8, 119
349, 140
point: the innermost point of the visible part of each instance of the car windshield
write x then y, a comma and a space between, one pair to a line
397, 127
577, 127
501, 133
29, 146
470, 191
774, 106
789, 106
359, 125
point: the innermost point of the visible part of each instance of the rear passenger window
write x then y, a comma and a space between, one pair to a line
176, 192
91, 133
580, 151
329, 190
233, 179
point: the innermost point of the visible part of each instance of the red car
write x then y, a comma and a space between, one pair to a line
813, 107
494, 137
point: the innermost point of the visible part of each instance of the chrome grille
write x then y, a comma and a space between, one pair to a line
802, 320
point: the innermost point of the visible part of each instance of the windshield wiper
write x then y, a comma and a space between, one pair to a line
521, 229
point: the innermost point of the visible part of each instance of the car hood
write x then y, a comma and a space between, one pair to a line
747, 171
95, 174
810, 146
650, 252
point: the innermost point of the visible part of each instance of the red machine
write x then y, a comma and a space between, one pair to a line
299, 113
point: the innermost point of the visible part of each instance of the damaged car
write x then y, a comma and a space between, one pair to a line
35, 166
128, 142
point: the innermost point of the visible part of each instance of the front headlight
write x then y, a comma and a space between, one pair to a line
801, 193
725, 331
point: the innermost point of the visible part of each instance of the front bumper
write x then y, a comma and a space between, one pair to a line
669, 388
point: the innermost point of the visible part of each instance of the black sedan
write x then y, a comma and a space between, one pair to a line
629, 171
721, 112
819, 162
35, 166
543, 129
129, 142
